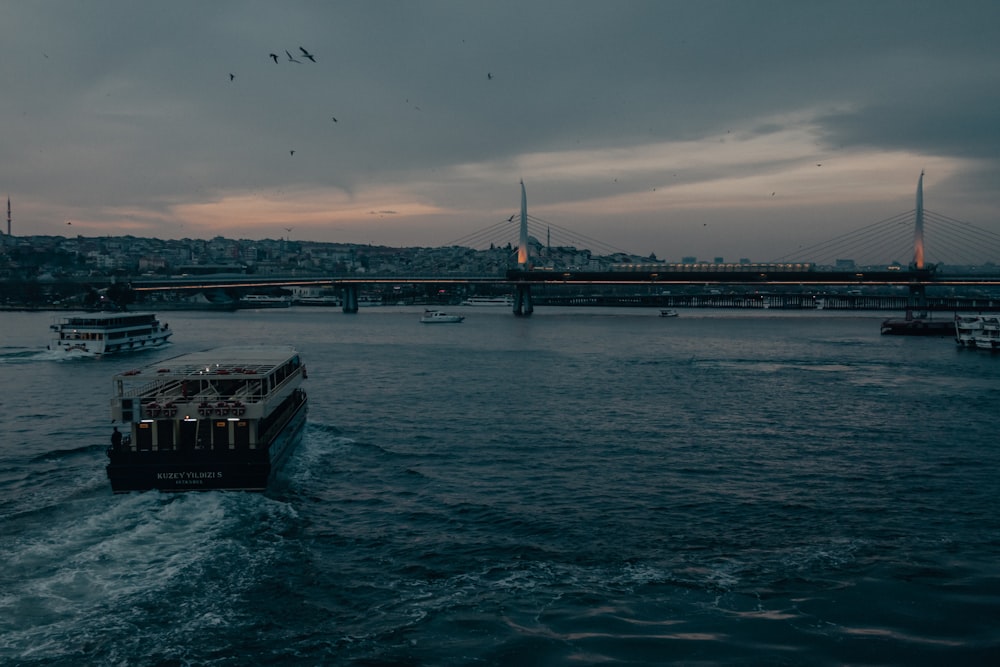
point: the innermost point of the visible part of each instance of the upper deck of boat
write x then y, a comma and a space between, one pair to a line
234, 361
107, 320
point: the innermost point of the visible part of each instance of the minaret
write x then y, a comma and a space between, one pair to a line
8, 215
918, 227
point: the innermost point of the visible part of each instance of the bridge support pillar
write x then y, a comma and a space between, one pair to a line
917, 303
350, 299
522, 301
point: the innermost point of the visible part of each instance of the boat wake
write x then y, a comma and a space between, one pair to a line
59, 454
106, 572
21, 355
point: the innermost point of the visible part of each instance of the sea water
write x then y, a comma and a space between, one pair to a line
581, 487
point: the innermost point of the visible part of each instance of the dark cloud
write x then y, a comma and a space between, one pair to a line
115, 106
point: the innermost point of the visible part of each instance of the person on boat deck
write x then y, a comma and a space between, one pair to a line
116, 439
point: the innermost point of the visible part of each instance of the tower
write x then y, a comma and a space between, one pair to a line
918, 227
522, 250
522, 297
8, 215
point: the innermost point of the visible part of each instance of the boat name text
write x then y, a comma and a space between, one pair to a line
189, 476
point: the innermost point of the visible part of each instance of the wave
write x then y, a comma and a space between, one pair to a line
146, 569
57, 454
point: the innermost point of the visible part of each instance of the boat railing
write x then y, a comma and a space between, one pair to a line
248, 391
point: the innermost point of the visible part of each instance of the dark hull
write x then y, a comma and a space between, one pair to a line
207, 470
918, 328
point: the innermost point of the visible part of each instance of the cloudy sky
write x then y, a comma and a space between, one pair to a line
734, 128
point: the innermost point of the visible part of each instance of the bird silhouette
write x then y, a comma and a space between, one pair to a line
231, 76
291, 58
273, 56
291, 152
510, 219
489, 75
306, 54
334, 118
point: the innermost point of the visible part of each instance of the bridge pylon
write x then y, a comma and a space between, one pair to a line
522, 297
350, 298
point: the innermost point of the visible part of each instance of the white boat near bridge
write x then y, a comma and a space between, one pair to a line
108, 333
440, 317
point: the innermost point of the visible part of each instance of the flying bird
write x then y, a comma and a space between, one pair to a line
273, 56
306, 54
489, 75
511, 218
334, 118
231, 76
291, 152
291, 58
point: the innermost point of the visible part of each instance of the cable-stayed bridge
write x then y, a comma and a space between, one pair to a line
947, 242
916, 249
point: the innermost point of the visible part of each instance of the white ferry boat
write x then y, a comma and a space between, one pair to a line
220, 419
989, 337
489, 301
967, 328
981, 332
109, 333
440, 317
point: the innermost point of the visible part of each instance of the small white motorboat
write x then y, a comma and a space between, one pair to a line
440, 317
668, 312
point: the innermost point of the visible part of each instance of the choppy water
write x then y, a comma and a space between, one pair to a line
580, 487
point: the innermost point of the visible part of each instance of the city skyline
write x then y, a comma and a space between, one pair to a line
677, 129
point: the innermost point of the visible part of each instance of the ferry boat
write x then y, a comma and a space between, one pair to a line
981, 332
967, 328
488, 301
225, 418
917, 324
108, 333
439, 317
989, 337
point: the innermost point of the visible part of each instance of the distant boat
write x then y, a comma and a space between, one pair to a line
507, 301
917, 325
967, 329
265, 301
668, 312
114, 333
439, 317
317, 301
981, 332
